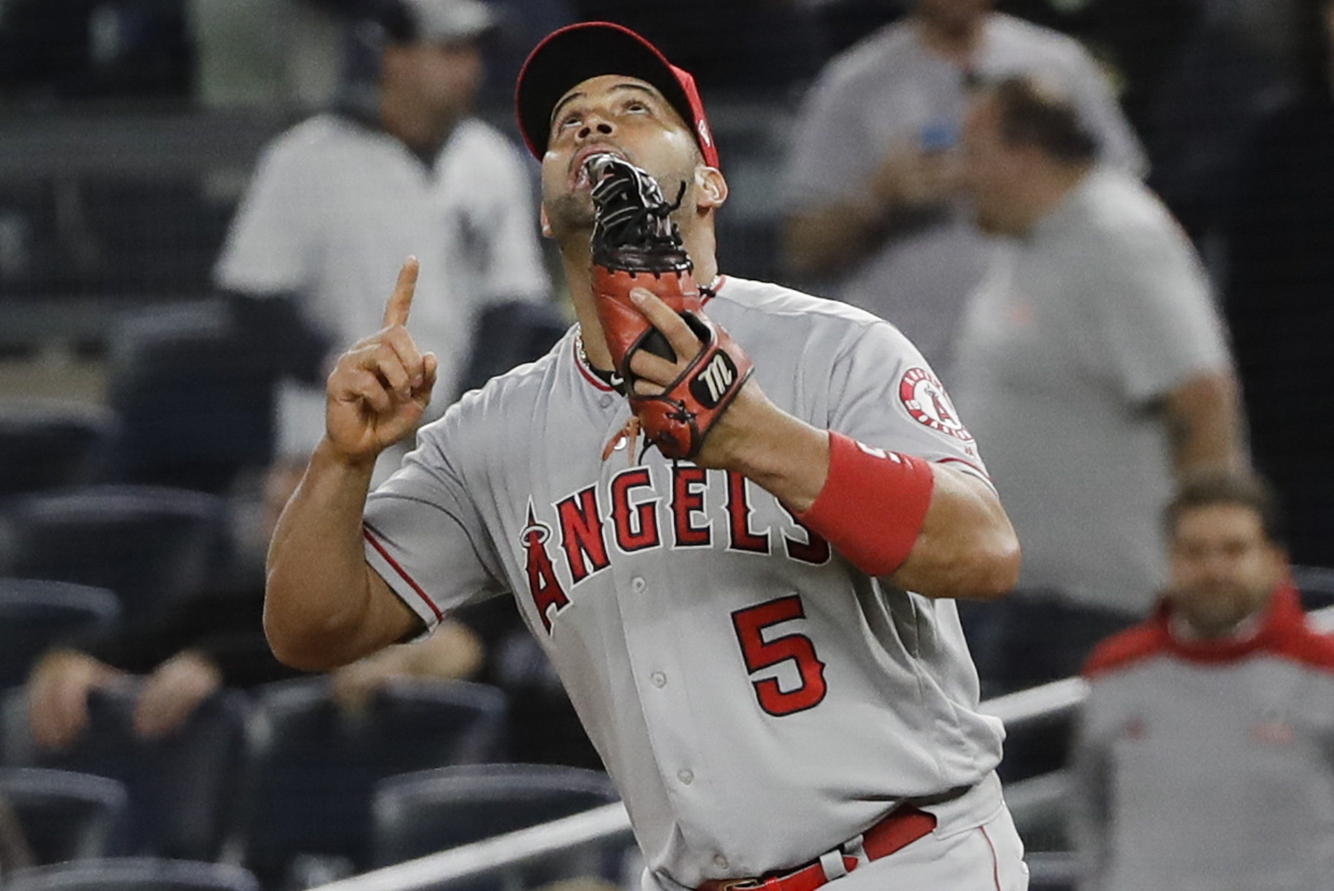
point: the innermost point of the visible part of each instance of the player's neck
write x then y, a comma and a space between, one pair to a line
576, 259
422, 134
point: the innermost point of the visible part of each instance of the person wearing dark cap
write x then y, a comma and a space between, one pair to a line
757, 630
399, 167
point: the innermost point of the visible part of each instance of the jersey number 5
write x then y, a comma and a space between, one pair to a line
760, 654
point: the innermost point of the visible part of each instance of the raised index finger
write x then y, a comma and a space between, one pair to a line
396, 310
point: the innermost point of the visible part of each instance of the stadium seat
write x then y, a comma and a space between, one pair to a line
509, 334
145, 543
30, 254
66, 815
180, 787
1039, 746
195, 403
420, 813
157, 234
1052, 871
34, 614
134, 874
311, 767
50, 445
1316, 584
1039, 808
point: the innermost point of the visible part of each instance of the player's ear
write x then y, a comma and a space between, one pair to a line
546, 221
710, 187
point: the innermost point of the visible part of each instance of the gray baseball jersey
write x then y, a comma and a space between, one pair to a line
756, 698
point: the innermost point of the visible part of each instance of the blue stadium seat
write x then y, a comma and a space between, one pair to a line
310, 766
66, 815
420, 813
134, 874
194, 400
1316, 584
145, 543
509, 334
49, 445
35, 614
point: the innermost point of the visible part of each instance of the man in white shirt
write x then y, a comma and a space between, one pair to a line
400, 168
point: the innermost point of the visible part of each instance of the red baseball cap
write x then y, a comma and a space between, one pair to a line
573, 54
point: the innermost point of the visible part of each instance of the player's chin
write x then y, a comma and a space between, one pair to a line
571, 211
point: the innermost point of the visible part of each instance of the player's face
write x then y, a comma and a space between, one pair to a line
622, 115
1223, 567
992, 170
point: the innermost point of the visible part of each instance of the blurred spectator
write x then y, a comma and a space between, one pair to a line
458, 656
201, 644
400, 168
204, 644
1205, 752
873, 183
283, 53
1280, 298
94, 49
1093, 366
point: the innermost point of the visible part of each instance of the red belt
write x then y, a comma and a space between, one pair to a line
901, 828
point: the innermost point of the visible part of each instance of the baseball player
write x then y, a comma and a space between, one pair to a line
734, 516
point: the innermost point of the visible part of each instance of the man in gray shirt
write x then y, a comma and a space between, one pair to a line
872, 190
1204, 759
1095, 368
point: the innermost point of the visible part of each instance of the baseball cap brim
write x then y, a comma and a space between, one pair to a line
456, 20
434, 21
573, 54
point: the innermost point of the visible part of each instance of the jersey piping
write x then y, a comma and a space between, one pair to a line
370, 536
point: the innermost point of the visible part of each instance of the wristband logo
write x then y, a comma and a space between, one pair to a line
927, 402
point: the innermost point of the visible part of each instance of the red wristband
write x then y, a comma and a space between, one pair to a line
872, 505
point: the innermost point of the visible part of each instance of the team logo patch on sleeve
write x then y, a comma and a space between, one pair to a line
926, 400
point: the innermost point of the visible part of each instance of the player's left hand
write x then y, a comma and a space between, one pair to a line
654, 375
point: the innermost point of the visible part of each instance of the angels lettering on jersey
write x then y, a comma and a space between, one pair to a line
582, 533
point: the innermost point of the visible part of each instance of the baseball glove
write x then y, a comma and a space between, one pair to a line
636, 245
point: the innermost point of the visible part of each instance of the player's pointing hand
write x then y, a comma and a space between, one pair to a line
380, 387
